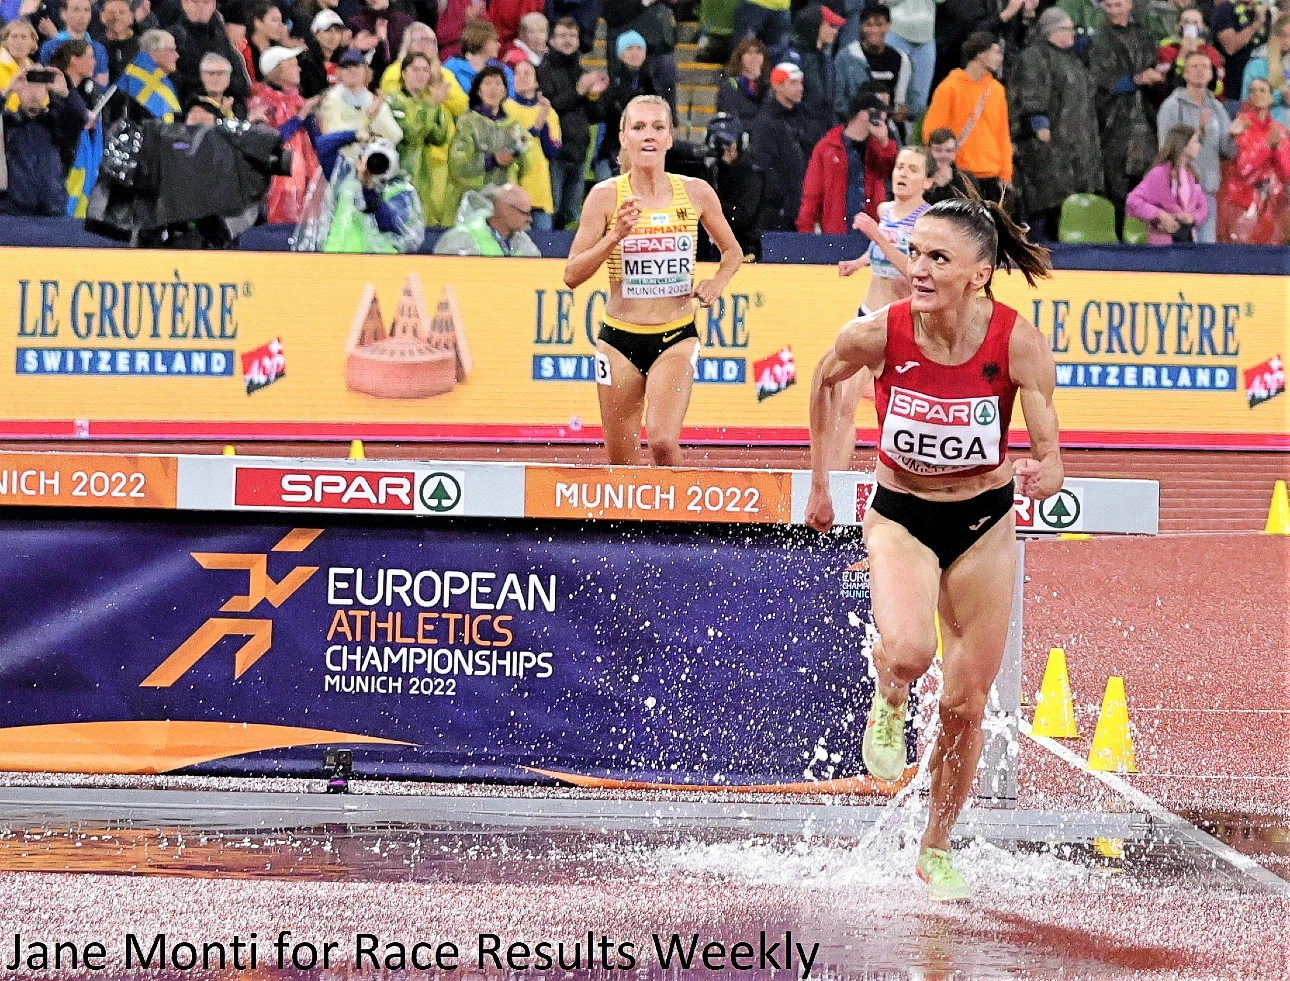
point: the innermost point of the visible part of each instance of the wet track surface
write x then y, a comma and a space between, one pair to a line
1195, 625
1069, 906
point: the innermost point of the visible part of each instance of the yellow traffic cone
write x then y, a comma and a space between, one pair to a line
1054, 704
356, 450
1279, 512
1112, 749
229, 451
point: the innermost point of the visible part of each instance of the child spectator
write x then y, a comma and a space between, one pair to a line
1170, 199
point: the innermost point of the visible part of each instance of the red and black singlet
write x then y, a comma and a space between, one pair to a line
939, 420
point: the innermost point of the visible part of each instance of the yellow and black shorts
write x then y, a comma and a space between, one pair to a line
642, 346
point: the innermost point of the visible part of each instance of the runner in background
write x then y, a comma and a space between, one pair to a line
888, 258
940, 532
645, 224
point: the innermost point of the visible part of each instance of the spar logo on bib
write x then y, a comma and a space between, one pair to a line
927, 435
658, 264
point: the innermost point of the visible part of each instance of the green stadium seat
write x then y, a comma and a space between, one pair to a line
1135, 231
1087, 220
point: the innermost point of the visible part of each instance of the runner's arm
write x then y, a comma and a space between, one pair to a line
885, 245
861, 344
732, 256
1041, 474
596, 235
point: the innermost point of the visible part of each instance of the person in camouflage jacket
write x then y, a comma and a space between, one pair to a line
1122, 60
1052, 108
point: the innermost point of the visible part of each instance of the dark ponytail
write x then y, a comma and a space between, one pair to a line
1001, 240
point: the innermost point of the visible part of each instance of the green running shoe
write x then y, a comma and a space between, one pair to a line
936, 868
883, 749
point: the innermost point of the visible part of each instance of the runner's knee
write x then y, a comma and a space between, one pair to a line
963, 710
909, 655
665, 450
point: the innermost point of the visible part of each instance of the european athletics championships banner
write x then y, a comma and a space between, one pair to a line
466, 649
153, 345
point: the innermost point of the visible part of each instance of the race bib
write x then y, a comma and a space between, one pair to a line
657, 264
930, 436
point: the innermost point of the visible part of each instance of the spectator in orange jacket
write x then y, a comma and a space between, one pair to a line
971, 103
849, 169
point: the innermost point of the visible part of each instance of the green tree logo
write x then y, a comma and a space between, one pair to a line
440, 492
984, 413
1061, 510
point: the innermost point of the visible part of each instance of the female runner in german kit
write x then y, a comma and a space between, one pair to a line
645, 224
940, 531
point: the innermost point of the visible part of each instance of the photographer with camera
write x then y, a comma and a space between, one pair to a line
737, 181
849, 169
367, 206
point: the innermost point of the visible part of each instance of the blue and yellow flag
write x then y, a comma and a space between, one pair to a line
145, 83
85, 170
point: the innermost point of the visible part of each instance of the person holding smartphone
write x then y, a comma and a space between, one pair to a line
849, 169
18, 43
40, 138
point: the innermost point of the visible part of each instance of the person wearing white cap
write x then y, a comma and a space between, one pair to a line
277, 101
324, 46
780, 147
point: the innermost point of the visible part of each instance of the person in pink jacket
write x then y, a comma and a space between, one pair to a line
1170, 199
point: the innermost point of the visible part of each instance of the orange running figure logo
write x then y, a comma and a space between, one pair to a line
259, 632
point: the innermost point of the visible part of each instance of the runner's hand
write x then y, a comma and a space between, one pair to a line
849, 267
865, 224
629, 212
707, 292
1035, 479
819, 509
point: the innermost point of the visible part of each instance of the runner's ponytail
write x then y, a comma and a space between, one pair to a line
1000, 238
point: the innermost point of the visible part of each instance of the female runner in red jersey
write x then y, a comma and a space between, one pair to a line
939, 530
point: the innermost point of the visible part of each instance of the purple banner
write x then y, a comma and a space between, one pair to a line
462, 650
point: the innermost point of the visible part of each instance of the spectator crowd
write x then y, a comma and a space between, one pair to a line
1174, 111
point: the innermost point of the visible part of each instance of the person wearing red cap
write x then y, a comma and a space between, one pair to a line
815, 29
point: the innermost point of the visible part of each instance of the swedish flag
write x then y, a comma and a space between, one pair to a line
145, 83
85, 170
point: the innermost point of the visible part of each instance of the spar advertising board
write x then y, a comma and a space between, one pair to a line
157, 345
